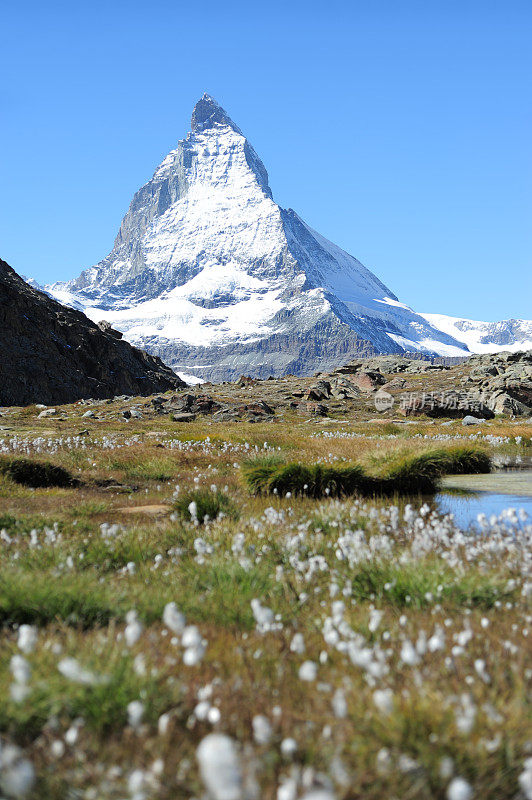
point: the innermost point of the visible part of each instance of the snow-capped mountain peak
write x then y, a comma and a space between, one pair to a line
207, 113
208, 272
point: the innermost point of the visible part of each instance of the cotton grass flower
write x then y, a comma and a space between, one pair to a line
17, 774
262, 729
220, 767
134, 628
173, 618
71, 669
459, 789
308, 671
27, 638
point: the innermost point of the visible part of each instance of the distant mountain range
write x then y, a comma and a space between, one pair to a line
486, 337
210, 274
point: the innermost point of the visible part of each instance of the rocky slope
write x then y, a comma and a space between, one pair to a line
208, 272
54, 354
378, 389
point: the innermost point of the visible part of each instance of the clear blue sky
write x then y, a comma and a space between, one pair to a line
401, 130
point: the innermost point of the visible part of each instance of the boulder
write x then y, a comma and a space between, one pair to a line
344, 389
520, 391
504, 403
245, 380
395, 383
106, 327
253, 412
194, 404
48, 412
319, 391
260, 408
318, 409
390, 364
368, 381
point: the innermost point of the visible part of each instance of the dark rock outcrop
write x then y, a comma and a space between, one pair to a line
390, 364
53, 354
194, 404
445, 404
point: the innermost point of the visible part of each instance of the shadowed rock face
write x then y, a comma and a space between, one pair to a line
53, 354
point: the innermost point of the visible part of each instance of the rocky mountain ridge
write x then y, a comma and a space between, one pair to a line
55, 354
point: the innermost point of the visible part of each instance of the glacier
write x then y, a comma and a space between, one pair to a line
210, 274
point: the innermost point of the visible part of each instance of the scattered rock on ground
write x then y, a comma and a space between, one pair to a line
48, 412
319, 391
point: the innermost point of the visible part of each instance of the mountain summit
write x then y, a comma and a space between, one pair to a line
208, 113
209, 273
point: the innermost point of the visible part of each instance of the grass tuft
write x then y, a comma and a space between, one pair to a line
402, 474
210, 505
316, 480
36, 474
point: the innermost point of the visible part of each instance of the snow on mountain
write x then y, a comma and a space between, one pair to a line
486, 337
31, 282
208, 272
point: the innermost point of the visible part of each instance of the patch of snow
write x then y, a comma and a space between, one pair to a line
192, 380
429, 346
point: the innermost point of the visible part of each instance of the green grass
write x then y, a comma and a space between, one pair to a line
88, 509
316, 480
404, 474
386, 475
217, 592
102, 706
417, 585
8, 522
163, 468
42, 597
210, 505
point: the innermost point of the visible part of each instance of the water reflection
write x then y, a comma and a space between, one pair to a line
467, 505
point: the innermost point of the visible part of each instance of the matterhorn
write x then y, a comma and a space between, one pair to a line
210, 274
